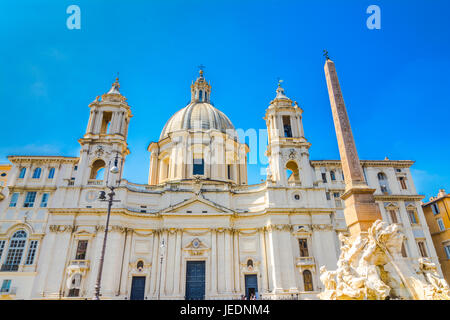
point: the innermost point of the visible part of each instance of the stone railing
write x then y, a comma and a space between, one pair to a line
93, 182
305, 261
82, 264
8, 291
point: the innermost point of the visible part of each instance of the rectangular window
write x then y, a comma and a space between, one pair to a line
2, 247
440, 224
287, 126
199, 166
44, 200
422, 249
14, 255
29, 199
412, 216
402, 182
435, 208
393, 216
14, 198
6, 286
447, 251
303, 243
324, 177
31, 252
337, 199
51, 173
81, 250
22, 173
328, 196
74, 292
404, 254
229, 171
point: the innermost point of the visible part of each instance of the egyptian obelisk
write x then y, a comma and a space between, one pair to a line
360, 208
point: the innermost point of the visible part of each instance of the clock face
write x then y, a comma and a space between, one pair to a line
90, 196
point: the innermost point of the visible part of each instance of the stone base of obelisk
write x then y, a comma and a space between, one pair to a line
360, 209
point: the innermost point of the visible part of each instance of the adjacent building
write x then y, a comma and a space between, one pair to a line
437, 214
197, 230
4, 171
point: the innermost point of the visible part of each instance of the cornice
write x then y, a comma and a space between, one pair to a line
42, 159
399, 197
367, 163
32, 188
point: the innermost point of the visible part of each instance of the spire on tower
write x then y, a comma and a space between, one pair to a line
115, 87
280, 91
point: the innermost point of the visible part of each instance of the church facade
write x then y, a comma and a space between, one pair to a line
197, 230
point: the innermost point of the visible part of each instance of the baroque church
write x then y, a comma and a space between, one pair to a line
197, 230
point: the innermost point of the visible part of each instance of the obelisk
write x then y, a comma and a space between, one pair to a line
360, 208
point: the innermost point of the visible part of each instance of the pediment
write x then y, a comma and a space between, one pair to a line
197, 206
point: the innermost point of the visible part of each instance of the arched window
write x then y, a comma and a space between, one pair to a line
292, 172
383, 181
287, 126
15, 251
106, 122
140, 264
37, 173
332, 175
51, 173
249, 263
22, 173
74, 285
200, 95
307, 280
164, 169
98, 169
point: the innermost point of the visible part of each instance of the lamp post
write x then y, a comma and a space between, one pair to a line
110, 200
162, 246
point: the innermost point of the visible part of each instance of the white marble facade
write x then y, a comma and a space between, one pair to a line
197, 203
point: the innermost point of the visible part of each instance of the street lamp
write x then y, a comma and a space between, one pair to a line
102, 197
162, 246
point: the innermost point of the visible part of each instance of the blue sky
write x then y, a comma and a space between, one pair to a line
395, 80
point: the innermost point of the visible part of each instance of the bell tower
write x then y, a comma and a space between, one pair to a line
287, 149
105, 139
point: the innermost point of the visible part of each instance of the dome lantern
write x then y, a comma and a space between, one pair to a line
200, 89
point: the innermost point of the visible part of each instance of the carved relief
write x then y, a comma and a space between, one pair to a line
62, 228
371, 267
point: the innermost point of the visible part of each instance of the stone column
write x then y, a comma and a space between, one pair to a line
163, 269
95, 257
263, 264
275, 260
221, 261
155, 265
44, 262
287, 260
177, 271
113, 259
213, 263
236, 267
228, 255
126, 261
170, 258
270, 264
360, 207
57, 263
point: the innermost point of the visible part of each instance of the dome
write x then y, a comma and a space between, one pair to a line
199, 115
